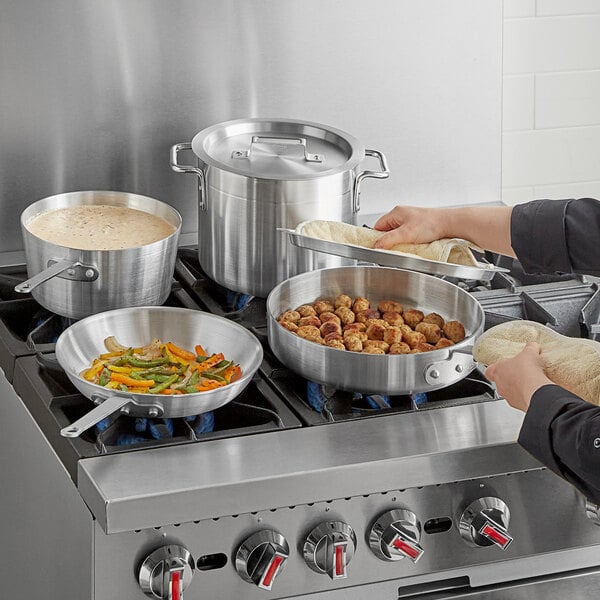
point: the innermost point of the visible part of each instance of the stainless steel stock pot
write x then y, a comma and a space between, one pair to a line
372, 373
259, 176
77, 283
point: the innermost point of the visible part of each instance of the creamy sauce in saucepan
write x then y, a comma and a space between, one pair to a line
99, 227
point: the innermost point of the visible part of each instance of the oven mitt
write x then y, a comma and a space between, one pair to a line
572, 363
448, 250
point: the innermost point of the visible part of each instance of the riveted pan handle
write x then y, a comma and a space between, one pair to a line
179, 168
383, 174
74, 270
459, 361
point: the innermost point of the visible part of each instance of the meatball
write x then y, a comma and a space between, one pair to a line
381, 322
393, 318
375, 331
355, 327
454, 331
434, 318
329, 316
373, 350
365, 315
444, 343
392, 335
346, 315
376, 344
389, 306
361, 335
289, 325
333, 336
338, 344
412, 317
290, 315
306, 310
431, 331
353, 343
360, 304
405, 329
322, 306
314, 321
399, 348
310, 332
330, 327
342, 301
414, 338
425, 347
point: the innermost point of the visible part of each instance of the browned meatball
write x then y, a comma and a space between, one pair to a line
414, 338
405, 329
393, 318
289, 325
392, 335
306, 310
329, 316
431, 332
322, 306
361, 335
310, 332
314, 321
353, 343
346, 315
290, 315
338, 344
454, 330
412, 317
376, 344
330, 327
373, 350
435, 319
444, 343
355, 327
376, 322
343, 301
333, 336
389, 306
425, 347
400, 348
375, 331
364, 315
360, 304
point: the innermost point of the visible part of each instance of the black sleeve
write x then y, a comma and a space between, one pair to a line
563, 432
557, 236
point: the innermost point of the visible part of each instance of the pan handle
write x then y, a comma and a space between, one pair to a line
56, 268
179, 168
103, 410
458, 361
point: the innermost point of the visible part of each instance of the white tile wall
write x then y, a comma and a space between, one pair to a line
551, 99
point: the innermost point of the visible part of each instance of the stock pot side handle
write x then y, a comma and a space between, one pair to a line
384, 173
179, 168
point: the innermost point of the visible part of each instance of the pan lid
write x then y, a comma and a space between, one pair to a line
277, 148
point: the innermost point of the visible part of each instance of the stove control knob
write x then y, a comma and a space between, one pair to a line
166, 572
396, 534
329, 547
485, 522
261, 557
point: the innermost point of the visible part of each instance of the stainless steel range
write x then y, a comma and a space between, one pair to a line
292, 489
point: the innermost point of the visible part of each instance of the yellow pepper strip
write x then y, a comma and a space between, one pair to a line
181, 352
210, 362
107, 355
200, 351
112, 385
130, 382
233, 373
175, 358
117, 369
94, 370
138, 390
209, 384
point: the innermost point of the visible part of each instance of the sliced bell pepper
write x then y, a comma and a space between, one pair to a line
181, 352
130, 381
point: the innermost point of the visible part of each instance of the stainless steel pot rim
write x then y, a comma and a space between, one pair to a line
217, 132
103, 393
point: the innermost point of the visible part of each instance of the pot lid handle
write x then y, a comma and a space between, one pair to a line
279, 141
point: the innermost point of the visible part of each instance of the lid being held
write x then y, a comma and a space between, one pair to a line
277, 148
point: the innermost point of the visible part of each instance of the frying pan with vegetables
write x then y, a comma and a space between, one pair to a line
82, 343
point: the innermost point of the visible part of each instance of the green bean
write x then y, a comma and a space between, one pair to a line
213, 376
104, 377
163, 385
140, 362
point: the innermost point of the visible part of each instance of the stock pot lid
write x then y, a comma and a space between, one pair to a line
277, 148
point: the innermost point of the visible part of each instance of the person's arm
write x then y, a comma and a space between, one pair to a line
486, 226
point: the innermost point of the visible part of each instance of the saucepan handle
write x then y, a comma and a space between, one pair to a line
103, 410
458, 361
79, 272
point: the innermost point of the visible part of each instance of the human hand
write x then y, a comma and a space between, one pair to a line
517, 378
410, 225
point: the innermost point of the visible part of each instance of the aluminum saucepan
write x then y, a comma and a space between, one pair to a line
390, 374
76, 283
83, 341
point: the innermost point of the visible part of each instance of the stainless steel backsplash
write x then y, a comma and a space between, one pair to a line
94, 92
